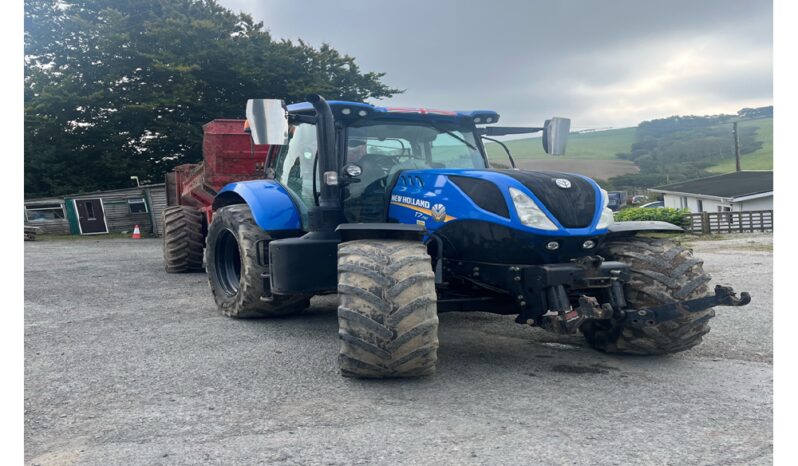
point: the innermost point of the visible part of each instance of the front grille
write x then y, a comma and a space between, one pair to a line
573, 207
484, 194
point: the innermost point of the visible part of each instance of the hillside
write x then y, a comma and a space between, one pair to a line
591, 154
594, 154
761, 159
600, 145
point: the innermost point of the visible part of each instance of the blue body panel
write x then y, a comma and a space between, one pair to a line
422, 205
271, 205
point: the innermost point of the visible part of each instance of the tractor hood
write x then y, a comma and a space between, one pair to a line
572, 203
570, 198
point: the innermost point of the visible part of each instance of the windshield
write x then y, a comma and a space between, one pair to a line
415, 145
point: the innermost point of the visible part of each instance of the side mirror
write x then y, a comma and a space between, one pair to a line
555, 135
268, 121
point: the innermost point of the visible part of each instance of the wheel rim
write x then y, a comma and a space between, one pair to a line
227, 262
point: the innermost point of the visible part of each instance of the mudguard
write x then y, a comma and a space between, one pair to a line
639, 226
272, 206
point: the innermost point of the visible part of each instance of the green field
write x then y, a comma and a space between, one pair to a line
600, 147
759, 160
591, 154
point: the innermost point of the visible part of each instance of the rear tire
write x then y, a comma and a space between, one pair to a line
235, 276
661, 272
387, 313
183, 239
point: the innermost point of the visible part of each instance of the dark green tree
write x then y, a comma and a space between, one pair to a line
114, 89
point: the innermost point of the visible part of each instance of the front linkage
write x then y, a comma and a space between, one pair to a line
724, 296
561, 297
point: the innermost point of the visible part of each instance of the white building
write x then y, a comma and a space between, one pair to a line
733, 192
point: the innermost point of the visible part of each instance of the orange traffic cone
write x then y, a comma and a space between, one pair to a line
136, 233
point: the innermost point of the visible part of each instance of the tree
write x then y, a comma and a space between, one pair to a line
114, 89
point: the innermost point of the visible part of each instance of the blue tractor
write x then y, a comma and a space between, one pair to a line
400, 213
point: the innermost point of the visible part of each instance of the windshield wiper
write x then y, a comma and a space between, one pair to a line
452, 134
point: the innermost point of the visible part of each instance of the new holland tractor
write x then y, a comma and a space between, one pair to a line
398, 211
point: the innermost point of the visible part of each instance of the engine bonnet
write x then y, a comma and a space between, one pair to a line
572, 202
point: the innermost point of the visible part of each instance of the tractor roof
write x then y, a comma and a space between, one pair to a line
345, 109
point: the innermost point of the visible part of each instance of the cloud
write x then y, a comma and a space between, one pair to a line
608, 63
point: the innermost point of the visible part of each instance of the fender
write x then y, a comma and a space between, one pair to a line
639, 226
272, 206
407, 232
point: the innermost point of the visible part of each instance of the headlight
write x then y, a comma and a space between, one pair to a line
607, 216
529, 213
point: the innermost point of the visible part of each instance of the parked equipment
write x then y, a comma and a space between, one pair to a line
617, 200
228, 156
398, 211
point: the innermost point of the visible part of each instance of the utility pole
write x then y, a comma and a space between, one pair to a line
736, 145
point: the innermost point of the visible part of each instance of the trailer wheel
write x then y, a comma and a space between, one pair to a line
236, 277
661, 272
183, 239
387, 313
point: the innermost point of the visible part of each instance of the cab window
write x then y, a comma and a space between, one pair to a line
455, 149
294, 164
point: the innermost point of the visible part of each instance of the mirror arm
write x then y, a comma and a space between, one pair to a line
297, 118
505, 130
509, 155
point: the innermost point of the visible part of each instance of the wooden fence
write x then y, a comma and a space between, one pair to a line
729, 222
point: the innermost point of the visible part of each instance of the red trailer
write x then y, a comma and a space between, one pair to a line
228, 155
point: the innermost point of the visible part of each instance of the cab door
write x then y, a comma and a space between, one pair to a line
294, 166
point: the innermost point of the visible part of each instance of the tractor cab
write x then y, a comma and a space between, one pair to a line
373, 145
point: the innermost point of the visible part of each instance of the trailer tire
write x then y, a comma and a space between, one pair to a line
183, 239
661, 272
235, 275
387, 313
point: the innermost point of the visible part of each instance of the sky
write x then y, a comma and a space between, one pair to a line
607, 63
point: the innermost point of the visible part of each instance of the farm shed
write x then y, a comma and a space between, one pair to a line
741, 191
99, 212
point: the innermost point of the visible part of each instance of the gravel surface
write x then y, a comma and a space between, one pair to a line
125, 364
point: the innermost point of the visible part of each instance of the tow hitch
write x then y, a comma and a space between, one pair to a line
569, 321
724, 296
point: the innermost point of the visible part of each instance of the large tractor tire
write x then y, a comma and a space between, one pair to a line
183, 239
234, 273
661, 272
387, 313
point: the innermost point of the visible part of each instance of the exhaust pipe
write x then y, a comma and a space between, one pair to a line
327, 215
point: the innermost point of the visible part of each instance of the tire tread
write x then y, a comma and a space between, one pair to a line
388, 322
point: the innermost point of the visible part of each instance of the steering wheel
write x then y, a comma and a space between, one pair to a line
383, 162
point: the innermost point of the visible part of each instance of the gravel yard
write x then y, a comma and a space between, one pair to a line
125, 364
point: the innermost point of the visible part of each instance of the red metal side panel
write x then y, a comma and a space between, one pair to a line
229, 155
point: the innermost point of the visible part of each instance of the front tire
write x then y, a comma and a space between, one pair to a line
387, 313
661, 272
236, 278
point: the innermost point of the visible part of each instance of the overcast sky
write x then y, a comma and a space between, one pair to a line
600, 62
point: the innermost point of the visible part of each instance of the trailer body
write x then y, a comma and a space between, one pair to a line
228, 156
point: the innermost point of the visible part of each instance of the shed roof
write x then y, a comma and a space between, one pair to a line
729, 185
94, 193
